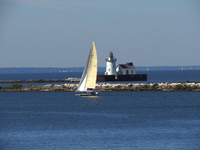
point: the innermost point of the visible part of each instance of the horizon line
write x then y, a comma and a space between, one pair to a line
104, 67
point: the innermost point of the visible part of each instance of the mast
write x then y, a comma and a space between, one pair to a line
88, 79
92, 68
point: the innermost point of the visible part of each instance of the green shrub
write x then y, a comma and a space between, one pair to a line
184, 87
29, 85
146, 86
15, 86
5, 87
154, 86
130, 85
63, 86
118, 86
178, 87
194, 87
189, 88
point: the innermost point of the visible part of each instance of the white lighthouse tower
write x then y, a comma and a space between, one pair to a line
110, 65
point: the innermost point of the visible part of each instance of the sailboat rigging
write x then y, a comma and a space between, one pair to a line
87, 83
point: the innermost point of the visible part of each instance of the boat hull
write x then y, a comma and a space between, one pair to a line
87, 93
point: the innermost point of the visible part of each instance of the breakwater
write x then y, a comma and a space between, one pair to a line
186, 86
40, 80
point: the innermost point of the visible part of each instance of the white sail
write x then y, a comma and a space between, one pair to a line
88, 79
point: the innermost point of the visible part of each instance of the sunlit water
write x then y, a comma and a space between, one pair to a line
114, 120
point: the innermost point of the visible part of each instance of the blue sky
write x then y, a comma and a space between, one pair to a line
59, 33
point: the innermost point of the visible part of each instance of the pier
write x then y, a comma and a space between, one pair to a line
41, 80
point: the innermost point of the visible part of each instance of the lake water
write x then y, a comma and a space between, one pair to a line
113, 120
152, 76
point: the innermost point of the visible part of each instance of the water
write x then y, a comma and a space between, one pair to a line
114, 120
32, 76
152, 76
172, 76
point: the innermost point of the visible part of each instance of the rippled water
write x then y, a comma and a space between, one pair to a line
114, 120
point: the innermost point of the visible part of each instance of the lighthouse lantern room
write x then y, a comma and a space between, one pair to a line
110, 65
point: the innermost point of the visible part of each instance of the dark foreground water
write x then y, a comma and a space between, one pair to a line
114, 120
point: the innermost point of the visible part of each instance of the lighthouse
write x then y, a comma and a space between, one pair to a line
123, 72
110, 65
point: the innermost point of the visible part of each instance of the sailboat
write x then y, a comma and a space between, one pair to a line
87, 83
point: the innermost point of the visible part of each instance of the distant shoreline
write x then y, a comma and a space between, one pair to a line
80, 69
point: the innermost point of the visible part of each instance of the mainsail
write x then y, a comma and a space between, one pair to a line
88, 79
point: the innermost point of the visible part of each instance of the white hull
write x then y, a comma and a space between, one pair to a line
88, 80
87, 93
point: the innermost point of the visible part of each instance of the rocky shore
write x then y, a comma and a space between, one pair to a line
186, 86
41, 80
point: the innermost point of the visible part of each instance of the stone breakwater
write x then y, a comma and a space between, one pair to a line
41, 80
187, 86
